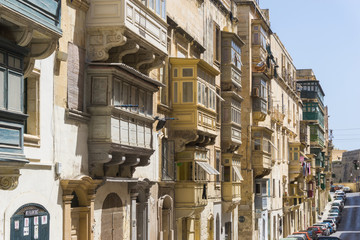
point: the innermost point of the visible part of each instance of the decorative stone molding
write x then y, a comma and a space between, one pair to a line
101, 40
79, 4
9, 182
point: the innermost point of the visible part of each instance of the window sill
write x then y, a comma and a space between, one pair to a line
31, 140
77, 115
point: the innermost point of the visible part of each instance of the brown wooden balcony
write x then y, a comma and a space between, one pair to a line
261, 151
192, 179
194, 102
190, 198
232, 179
117, 29
231, 119
119, 135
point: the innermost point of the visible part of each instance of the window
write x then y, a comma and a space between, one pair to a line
257, 188
175, 92
187, 72
11, 82
257, 144
31, 105
274, 188
187, 92
235, 55
217, 43
218, 166
259, 36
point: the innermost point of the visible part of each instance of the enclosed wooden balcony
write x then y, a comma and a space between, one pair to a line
260, 95
261, 151
33, 24
193, 174
232, 179
231, 121
120, 103
190, 198
116, 30
295, 166
194, 97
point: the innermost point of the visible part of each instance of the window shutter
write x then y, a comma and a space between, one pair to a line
75, 75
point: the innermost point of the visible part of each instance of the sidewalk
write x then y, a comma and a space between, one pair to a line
326, 209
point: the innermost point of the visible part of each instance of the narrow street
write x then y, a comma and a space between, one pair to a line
349, 227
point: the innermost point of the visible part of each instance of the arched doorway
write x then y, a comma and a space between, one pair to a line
31, 221
166, 218
112, 218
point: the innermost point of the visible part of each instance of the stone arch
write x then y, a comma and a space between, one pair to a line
210, 227
112, 218
166, 217
217, 226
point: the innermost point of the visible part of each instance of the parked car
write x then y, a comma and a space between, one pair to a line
335, 210
332, 222
336, 215
339, 198
303, 233
347, 189
312, 233
329, 238
335, 207
338, 204
324, 227
300, 237
318, 229
290, 238
330, 227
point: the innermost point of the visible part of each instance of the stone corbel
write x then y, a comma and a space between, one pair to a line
146, 59
29, 64
129, 48
25, 38
158, 63
40, 49
100, 41
9, 181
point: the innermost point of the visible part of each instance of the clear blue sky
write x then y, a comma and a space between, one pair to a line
325, 35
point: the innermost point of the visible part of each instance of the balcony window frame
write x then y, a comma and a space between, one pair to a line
8, 70
216, 44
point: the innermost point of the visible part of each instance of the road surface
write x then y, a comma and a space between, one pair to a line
349, 228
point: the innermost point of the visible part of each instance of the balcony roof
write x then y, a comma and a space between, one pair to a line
130, 70
194, 61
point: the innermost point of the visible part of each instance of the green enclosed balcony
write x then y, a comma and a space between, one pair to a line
317, 138
312, 112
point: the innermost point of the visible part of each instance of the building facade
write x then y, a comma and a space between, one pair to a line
155, 119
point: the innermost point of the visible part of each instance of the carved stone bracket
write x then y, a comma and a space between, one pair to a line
9, 182
79, 4
129, 48
101, 40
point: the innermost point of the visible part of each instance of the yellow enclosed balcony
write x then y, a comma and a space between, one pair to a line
194, 101
232, 179
295, 166
261, 151
193, 170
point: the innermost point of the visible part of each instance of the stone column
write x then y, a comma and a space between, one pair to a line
133, 216
67, 217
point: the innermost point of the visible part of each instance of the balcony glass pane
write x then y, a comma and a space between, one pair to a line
163, 9
187, 72
158, 7
14, 92
117, 92
141, 101
151, 4
175, 92
187, 92
2, 88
